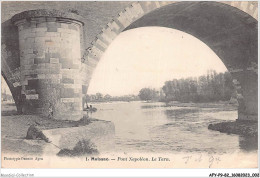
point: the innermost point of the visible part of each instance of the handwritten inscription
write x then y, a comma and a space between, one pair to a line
211, 159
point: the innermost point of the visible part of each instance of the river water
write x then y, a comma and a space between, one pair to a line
155, 127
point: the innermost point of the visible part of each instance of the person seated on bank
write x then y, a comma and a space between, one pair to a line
34, 133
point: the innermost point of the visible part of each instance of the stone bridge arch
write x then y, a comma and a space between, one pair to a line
228, 28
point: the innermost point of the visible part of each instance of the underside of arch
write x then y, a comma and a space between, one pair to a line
229, 29
137, 10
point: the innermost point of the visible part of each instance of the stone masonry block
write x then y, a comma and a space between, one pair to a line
41, 29
16, 84
33, 24
30, 91
39, 45
40, 34
71, 85
54, 60
65, 37
55, 81
30, 61
41, 76
51, 24
25, 32
53, 70
49, 43
52, 29
58, 25
113, 25
52, 49
73, 27
55, 39
67, 80
47, 65
39, 19
28, 45
137, 9
65, 60
51, 19
24, 82
64, 25
39, 53
40, 39
40, 60
67, 65
41, 25
61, 30
41, 66
106, 38
32, 97
67, 100
84, 89
77, 90
67, 93
41, 71
76, 61
29, 67
29, 40
101, 43
26, 51
129, 14
123, 19
52, 34
77, 81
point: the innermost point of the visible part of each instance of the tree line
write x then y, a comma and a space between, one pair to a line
211, 87
99, 97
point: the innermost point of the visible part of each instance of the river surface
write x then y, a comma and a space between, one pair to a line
155, 127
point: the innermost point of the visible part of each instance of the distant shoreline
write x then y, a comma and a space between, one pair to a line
179, 104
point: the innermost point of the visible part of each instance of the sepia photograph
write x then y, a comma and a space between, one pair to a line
129, 84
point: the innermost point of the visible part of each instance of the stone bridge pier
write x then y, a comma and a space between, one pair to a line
247, 93
50, 63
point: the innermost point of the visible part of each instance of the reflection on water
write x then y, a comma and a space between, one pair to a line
154, 127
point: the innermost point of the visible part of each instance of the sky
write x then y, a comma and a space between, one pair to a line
149, 56
4, 87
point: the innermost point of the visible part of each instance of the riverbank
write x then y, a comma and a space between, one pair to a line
222, 104
243, 128
14, 129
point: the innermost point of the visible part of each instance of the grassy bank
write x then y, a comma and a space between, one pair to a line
243, 128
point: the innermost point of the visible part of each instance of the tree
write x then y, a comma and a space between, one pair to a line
207, 88
107, 97
147, 94
99, 96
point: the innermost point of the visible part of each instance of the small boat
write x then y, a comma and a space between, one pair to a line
90, 109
